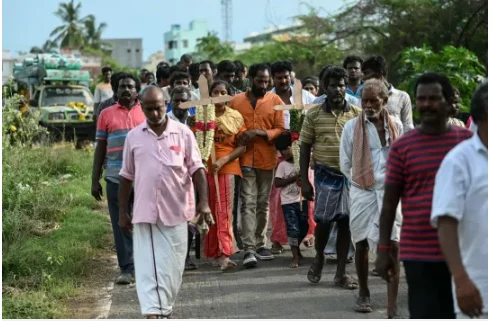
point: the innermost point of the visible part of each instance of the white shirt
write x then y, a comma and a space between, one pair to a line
379, 153
461, 192
306, 98
399, 105
289, 194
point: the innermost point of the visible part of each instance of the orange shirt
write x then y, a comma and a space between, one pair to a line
261, 153
225, 145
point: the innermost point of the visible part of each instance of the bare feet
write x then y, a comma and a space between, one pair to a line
294, 263
363, 305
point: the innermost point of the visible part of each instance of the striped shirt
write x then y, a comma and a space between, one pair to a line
413, 162
114, 123
323, 130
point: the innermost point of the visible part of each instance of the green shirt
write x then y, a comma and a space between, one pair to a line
323, 130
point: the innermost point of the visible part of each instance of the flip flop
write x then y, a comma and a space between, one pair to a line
231, 266
363, 305
189, 266
315, 272
276, 250
346, 282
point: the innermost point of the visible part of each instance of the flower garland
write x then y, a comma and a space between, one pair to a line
205, 131
81, 109
295, 124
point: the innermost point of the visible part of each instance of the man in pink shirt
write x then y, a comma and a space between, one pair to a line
162, 159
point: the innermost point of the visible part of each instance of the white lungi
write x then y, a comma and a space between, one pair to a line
159, 259
364, 218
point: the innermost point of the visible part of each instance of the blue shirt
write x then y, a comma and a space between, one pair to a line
191, 111
356, 94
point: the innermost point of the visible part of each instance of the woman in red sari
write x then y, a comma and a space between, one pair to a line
229, 126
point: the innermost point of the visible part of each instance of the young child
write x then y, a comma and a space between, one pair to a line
288, 180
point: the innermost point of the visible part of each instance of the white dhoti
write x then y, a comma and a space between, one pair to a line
364, 217
159, 256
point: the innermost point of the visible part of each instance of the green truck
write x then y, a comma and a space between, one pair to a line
58, 87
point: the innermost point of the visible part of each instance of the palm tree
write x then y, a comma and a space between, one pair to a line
70, 34
49, 46
93, 33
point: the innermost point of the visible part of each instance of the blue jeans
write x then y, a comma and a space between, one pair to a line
123, 242
296, 222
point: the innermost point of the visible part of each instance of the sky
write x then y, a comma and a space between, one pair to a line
33, 20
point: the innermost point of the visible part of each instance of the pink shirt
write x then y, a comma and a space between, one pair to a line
161, 169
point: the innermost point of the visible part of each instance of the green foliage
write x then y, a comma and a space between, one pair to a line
19, 128
50, 233
460, 65
210, 47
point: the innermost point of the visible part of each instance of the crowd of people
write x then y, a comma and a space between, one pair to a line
364, 179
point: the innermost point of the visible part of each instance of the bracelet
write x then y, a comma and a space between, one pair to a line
383, 247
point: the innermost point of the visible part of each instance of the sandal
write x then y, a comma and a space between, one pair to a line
277, 249
346, 282
229, 267
363, 305
315, 271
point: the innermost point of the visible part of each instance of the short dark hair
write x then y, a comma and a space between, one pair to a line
149, 73
162, 64
178, 76
283, 141
335, 72
255, 68
479, 103
351, 59
456, 91
281, 66
143, 69
180, 90
106, 69
115, 79
177, 68
376, 64
186, 58
125, 75
221, 82
240, 67
162, 73
211, 64
193, 69
310, 80
226, 66
435, 78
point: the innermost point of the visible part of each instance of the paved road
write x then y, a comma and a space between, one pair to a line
272, 290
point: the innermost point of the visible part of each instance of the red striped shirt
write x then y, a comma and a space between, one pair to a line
413, 162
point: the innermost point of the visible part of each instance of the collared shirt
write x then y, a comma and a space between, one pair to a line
379, 153
306, 98
399, 105
350, 99
102, 92
356, 94
413, 162
167, 97
114, 123
161, 169
261, 153
323, 130
461, 192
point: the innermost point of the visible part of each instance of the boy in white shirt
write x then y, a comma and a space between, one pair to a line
287, 178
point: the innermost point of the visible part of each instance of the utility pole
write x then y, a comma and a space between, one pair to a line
227, 17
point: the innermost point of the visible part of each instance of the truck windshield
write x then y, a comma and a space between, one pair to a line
62, 96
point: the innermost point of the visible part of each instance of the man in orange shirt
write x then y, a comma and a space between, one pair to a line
264, 125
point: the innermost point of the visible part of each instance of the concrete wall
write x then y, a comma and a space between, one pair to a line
127, 52
178, 41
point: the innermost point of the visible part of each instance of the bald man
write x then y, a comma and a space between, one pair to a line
160, 155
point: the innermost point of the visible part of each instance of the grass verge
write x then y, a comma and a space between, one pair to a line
52, 234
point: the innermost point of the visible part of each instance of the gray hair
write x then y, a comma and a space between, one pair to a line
180, 90
382, 90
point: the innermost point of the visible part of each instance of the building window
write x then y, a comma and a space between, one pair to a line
172, 44
185, 43
129, 50
137, 50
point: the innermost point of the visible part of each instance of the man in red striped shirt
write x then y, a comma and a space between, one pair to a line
412, 164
